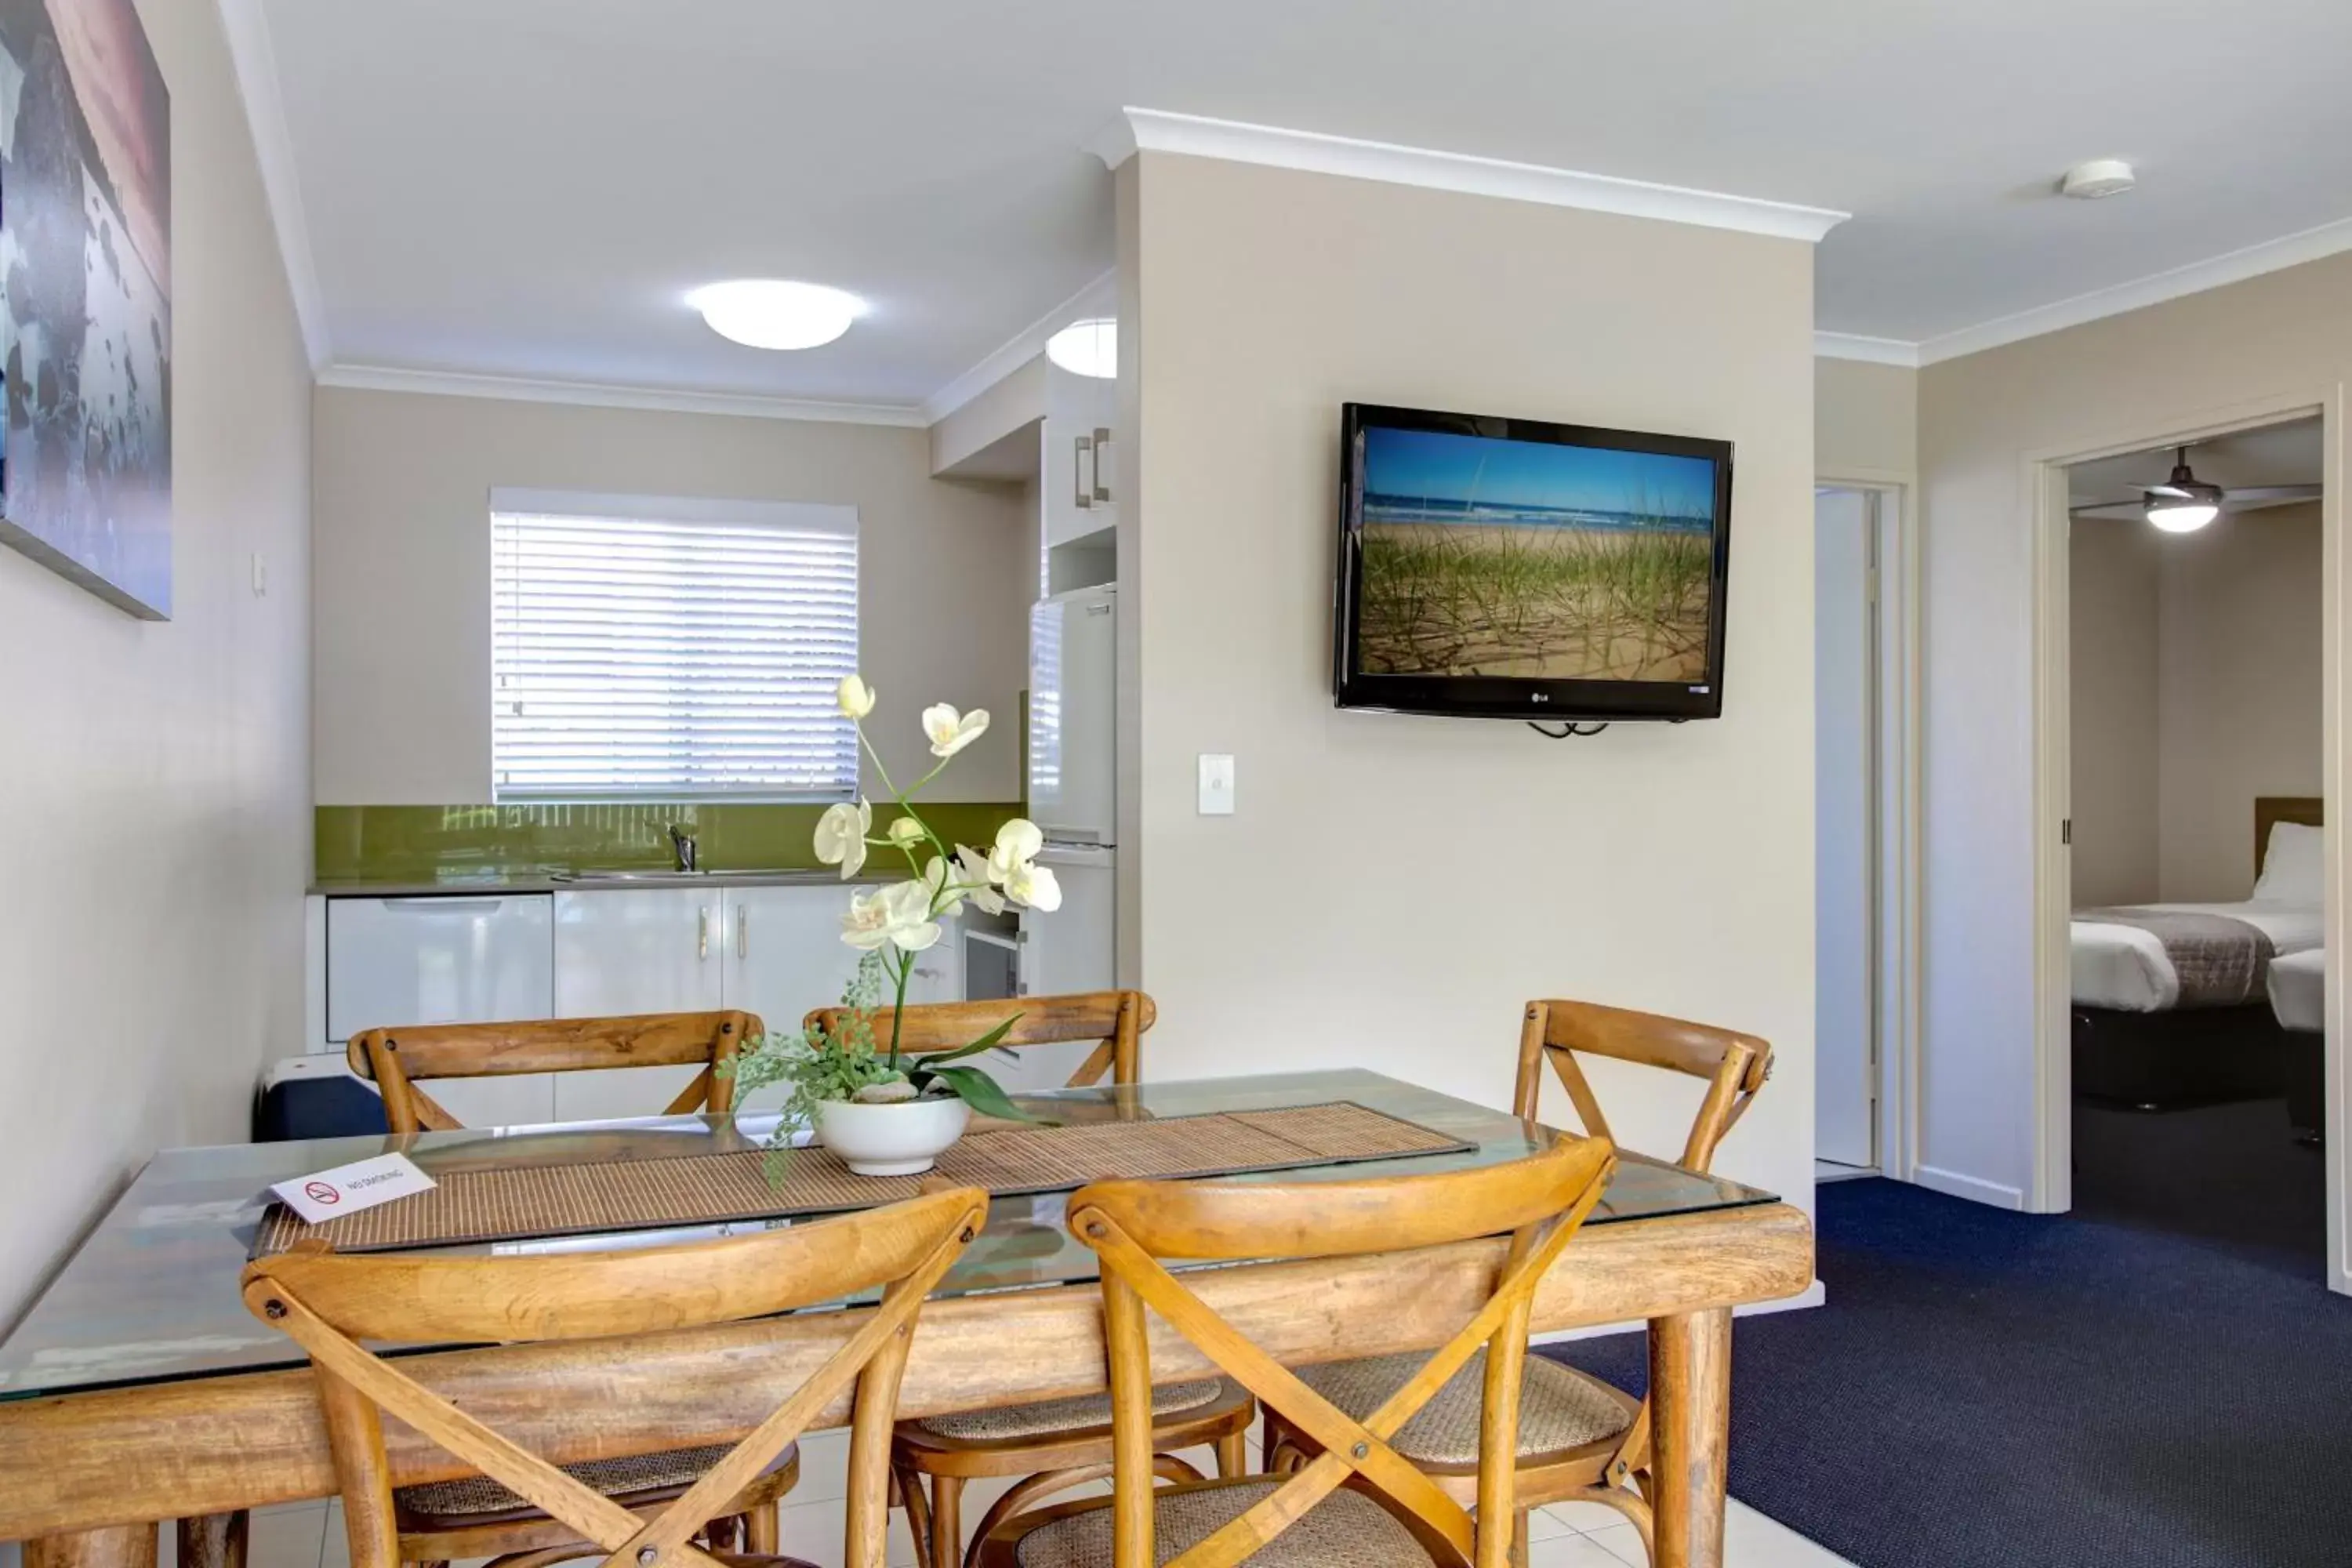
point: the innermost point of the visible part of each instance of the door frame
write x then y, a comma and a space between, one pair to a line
2044, 479
1896, 983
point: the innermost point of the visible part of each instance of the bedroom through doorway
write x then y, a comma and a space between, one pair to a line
2196, 755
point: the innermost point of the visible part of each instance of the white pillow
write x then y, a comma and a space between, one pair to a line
2290, 866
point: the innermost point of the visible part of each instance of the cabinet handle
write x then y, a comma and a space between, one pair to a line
1102, 443
703, 932
742, 932
1081, 449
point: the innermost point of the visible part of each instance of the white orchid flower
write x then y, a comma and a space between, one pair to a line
951, 733
972, 870
841, 836
855, 698
899, 914
939, 877
1036, 886
904, 830
1017, 843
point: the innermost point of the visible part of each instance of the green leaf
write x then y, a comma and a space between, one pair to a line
986, 1042
979, 1091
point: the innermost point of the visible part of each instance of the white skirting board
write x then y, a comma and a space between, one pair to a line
1951, 1184
1813, 1295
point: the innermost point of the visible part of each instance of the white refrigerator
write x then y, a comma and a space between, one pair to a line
1073, 790
1074, 716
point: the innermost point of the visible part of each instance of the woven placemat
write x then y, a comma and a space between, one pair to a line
510, 1204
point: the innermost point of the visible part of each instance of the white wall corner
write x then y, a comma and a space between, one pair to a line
1099, 297
1155, 130
255, 62
2215, 272
1952, 1183
1870, 351
600, 394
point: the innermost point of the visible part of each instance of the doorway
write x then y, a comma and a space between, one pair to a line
2050, 473
1863, 851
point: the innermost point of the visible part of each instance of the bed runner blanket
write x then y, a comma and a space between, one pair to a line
2221, 962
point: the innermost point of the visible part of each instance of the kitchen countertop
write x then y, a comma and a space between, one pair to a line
545, 880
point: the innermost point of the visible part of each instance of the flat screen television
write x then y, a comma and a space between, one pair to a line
1512, 569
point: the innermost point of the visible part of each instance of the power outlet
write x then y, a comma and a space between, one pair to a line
1216, 783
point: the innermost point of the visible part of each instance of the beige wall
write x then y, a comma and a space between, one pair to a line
403, 596
150, 937
1391, 889
2114, 580
2241, 652
1866, 419
2136, 378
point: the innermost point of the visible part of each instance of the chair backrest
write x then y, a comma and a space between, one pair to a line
1114, 1020
327, 1302
398, 1059
1540, 1199
1733, 1065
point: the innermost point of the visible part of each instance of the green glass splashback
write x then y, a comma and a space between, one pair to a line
403, 843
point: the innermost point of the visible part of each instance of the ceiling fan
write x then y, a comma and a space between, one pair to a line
2185, 503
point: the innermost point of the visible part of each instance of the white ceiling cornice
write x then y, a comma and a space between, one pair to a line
1870, 351
255, 65
1154, 131
2233, 267
598, 394
1099, 297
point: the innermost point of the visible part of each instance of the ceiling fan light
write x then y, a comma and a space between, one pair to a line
2181, 516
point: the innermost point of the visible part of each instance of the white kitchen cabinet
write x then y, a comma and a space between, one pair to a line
637, 950
784, 952
516, 1099
435, 960
621, 951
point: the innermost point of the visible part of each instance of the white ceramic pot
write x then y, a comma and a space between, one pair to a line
899, 1139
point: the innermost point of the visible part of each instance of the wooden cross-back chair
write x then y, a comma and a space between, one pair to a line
1060, 1444
399, 1059
328, 1302
1116, 1021
1735, 1065
1360, 1499
1580, 1437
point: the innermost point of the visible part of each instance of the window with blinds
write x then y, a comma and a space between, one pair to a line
671, 648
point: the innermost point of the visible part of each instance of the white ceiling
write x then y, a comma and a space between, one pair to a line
527, 187
2290, 454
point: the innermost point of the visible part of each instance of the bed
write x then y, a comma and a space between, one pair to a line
2170, 1001
2298, 990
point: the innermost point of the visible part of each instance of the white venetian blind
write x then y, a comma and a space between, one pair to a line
644, 646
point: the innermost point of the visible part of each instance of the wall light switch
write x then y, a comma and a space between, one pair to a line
260, 575
1216, 785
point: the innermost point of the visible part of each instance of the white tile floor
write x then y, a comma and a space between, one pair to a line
1571, 1535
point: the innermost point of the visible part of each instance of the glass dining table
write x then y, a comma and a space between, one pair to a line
152, 1294
148, 1308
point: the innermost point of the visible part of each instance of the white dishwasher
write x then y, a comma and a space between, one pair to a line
442, 958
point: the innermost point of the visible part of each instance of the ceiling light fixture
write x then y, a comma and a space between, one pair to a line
772, 313
1086, 348
2181, 516
2183, 504
2099, 177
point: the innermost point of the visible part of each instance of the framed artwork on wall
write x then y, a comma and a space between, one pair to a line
85, 298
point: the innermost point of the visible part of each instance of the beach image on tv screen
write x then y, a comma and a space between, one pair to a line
1529, 560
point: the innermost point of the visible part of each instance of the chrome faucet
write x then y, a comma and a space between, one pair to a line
682, 842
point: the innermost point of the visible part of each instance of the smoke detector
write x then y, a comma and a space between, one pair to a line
2099, 177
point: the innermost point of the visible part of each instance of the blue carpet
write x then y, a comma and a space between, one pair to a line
1993, 1390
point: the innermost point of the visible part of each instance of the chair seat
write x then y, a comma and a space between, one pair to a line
1055, 1417
473, 1501
1346, 1530
1560, 1408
